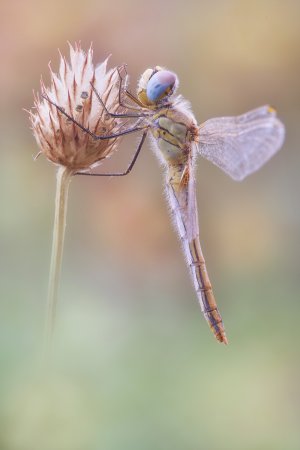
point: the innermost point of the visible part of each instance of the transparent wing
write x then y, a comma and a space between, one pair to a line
192, 212
186, 201
240, 145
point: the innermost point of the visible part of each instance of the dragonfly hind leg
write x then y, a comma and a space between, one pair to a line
129, 168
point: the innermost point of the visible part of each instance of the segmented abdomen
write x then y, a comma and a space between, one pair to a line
178, 201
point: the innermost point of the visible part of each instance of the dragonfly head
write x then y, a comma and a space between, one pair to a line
156, 86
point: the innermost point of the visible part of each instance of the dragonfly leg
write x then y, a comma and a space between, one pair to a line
88, 131
128, 170
134, 99
125, 91
124, 115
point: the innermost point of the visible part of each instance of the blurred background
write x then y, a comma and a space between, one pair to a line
135, 365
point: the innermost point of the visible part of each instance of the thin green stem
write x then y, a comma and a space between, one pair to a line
63, 179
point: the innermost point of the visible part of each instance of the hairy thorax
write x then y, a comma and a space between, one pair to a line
174, 132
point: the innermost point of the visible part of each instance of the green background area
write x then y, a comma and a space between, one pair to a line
135, 365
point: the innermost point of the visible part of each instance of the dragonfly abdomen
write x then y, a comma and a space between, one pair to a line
204, 290
178, 200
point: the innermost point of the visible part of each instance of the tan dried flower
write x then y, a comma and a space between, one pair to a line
74, 127
74, 90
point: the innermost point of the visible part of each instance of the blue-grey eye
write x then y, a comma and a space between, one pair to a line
161, 83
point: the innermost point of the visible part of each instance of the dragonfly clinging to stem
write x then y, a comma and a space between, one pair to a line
239, 145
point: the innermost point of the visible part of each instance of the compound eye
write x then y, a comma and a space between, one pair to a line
160, 84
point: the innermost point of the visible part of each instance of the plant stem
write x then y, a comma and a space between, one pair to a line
63, 178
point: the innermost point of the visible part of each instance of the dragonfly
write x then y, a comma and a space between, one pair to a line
239, 145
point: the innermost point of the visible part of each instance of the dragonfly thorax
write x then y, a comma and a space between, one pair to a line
156, 86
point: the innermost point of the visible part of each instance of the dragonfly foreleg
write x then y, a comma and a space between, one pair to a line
125, 91
128, 170
133, 98
124, 115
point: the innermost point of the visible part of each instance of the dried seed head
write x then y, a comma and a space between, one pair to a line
61, 141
